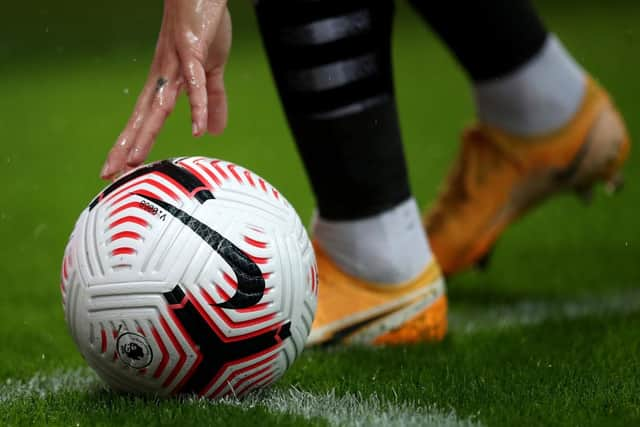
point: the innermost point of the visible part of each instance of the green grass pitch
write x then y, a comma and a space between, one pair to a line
549, 335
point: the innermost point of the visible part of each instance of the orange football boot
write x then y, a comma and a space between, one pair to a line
352, 311
498, 177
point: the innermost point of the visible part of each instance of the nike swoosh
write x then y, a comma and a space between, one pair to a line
251, 284
341, 334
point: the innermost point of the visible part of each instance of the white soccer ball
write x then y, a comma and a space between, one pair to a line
189, 275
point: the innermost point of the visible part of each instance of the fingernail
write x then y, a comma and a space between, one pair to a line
133, 154
194, 129
105, 172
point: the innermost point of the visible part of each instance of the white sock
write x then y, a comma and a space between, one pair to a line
539, 97
387, 248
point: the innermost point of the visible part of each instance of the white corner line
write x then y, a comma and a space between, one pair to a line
465, 320
353, 410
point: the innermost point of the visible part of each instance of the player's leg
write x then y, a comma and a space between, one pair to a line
332, 65
543, 125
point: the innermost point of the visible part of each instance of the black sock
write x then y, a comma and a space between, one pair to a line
490, 38
332, 65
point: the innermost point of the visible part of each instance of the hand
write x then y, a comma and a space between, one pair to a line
192, 50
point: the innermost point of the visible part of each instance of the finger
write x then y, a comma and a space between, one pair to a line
162, 105
117, 156
163, 60
193, 72
217, 98
216, 61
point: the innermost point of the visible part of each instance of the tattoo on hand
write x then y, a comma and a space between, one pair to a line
160, 83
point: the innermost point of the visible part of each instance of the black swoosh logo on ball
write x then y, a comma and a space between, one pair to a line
251, 284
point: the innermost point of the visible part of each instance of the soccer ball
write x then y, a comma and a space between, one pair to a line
190, 275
